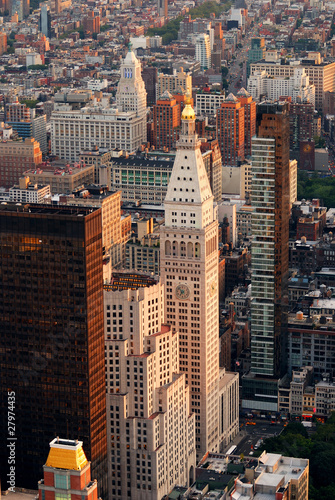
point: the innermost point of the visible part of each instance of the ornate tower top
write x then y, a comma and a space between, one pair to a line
131, 93
188, 112
189, 199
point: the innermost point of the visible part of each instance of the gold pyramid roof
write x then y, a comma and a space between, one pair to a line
66, 454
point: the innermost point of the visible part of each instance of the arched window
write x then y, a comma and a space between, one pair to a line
189, 249
175, 248
197, 250
183, 249
168, 247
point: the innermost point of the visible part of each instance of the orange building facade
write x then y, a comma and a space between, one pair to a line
230, 130
166, 121
249, 106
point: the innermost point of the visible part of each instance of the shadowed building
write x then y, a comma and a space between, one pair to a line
52, 334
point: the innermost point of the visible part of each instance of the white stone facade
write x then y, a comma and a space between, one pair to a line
189, 271
207, 103
151, 434
124, 127
295, 86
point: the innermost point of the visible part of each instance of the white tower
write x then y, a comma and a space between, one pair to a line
203, 51
131, 94
189, 270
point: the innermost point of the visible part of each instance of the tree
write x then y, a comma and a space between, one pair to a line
30, 103
225, 84
295, 428
224, 71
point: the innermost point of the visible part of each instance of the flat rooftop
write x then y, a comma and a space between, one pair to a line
20, 494
129, 281
37, 208
269, 479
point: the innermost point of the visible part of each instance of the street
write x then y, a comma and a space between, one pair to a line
235, 71
254, 433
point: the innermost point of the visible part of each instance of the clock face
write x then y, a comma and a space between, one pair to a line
212, 288
182, 292
307, 148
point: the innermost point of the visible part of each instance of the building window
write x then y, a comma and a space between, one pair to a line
62, 496
62, 482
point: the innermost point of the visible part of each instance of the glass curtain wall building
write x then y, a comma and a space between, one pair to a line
52, 335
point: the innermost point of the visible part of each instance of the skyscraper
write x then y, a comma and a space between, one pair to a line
26, 123
52, 334
162, 8
150, 78
270, 197
256, 52
151, 433
166, 121
230, 130
44, 24
131, 94
189, 270
249, 106
203, 51
105, 127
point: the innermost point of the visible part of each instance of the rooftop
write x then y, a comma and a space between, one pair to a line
129, 281
20, 495
38, 208
66, 454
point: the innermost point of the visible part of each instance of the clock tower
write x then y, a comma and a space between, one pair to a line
131, 94
189, 270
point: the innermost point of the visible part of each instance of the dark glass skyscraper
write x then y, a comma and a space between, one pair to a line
52, 335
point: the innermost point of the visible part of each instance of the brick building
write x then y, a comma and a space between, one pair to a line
230, 130
16, 157
166, 121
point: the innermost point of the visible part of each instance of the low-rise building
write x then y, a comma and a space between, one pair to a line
324, 398
27, 192
62, 178
208, 102
271, 476
300, 380
311, 342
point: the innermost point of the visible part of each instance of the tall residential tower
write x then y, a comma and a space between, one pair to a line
270, 236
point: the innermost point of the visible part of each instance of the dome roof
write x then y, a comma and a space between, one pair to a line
188, 112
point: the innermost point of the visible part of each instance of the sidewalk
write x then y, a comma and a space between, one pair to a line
237, 439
